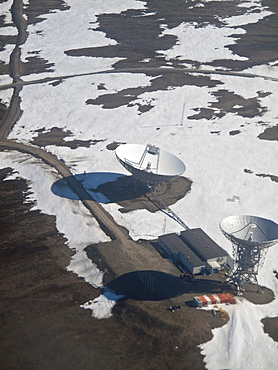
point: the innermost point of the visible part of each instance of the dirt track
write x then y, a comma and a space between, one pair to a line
103, 217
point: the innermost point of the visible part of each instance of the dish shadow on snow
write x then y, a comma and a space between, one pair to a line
103, 187
106, 187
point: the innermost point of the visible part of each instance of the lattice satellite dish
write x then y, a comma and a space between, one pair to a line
251, 237
149, 163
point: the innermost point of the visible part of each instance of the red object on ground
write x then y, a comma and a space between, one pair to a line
211, 299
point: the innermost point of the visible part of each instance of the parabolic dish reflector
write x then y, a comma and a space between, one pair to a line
250, 230
149, 163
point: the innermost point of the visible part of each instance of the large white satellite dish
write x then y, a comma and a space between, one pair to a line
149, 163
251, 237
250, 230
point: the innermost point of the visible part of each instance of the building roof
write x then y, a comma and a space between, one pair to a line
177, 246
202, 244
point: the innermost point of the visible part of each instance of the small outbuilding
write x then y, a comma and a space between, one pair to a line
195, 251
212, 299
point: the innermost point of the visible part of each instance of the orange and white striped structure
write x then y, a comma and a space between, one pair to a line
211, 299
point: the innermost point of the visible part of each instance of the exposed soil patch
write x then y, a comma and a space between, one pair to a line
229, 102
272, 177
206, 113
248, 171
139, 37
271, 327
169, 192
3, 110
259, 42
35, 10
234, 132
163, 81
251, 293
5, 40
114, 145
271, 133
36, 64
56, 136
132, 195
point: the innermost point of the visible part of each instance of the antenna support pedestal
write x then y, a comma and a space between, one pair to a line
251, 237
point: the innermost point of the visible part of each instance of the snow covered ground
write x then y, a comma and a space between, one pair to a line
224, 167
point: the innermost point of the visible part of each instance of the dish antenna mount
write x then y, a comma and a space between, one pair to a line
251, 237
150, 164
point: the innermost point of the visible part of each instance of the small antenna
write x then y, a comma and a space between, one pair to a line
182, 115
